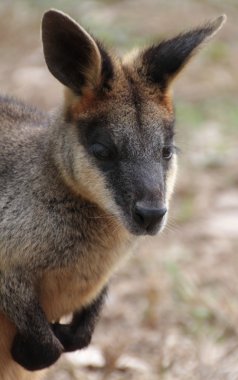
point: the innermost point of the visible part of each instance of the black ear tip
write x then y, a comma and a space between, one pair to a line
49, 16
53, 12
217, 23
50, 13
53, 16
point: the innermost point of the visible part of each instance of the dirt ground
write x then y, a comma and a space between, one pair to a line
172, 309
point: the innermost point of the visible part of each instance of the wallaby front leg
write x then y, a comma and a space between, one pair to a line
78, 333
35, 346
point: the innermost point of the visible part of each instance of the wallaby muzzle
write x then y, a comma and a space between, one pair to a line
149, 218
140, 194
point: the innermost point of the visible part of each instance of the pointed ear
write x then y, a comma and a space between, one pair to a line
72, 55
161, 63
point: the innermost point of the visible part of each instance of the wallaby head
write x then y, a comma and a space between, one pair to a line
118, 120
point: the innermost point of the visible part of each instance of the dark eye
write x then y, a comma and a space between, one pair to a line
101, 152
167, 152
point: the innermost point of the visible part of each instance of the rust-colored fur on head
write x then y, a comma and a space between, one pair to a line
78, 190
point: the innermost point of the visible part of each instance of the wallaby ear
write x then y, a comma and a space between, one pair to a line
161, 63
71, 54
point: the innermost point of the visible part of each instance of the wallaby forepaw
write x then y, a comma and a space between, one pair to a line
70, 339
34, 355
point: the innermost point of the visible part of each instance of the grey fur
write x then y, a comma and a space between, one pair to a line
67, 217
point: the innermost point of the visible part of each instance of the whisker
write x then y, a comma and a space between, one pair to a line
172, 226
102, 217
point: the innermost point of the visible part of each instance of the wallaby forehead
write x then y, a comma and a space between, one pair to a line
132, 115
136, 113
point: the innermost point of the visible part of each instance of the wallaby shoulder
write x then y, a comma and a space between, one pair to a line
20, 126
14, 112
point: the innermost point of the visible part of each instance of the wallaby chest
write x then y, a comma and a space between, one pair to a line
63, 290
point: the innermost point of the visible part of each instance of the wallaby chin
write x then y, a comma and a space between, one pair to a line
77, 191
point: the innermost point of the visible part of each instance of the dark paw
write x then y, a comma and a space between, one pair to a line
71, 340
35, 355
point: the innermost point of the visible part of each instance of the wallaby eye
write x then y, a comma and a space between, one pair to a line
167, 152
101, 152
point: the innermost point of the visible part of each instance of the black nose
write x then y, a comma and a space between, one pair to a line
148, 217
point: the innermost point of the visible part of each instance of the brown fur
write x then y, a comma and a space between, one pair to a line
81, 106
69, 230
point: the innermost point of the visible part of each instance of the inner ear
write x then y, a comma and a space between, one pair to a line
71, 54
161, 63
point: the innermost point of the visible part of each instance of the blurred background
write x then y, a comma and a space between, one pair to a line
172, 310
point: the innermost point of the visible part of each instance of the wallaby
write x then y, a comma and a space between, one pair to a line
79, 189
